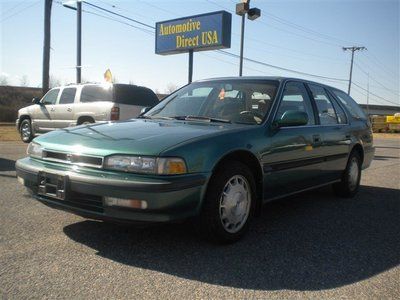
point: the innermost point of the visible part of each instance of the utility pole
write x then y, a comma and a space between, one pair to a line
79, 42
352, 49
241, 46
46, 46
368, 97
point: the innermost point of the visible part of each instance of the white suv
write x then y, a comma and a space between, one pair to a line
80, 104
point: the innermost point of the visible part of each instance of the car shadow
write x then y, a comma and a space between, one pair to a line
312, 241
7, 164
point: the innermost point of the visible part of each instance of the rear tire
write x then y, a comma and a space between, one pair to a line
350, 182
85, 121
25, 131
229, 204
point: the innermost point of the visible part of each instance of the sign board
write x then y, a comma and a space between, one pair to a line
198, 33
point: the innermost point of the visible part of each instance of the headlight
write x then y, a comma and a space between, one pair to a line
146, 165
34, 150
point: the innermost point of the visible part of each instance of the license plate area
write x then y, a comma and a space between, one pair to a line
52, 185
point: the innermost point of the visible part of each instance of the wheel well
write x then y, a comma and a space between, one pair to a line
248, 159
359, 150
22, 118
83, 119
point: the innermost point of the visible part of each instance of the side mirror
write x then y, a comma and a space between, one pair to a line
292, 118
36, 100
144, 110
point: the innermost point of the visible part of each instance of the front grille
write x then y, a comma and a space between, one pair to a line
71, 158
81, 201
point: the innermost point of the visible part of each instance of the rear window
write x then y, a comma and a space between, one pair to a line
134, 95
354, 109
92, 93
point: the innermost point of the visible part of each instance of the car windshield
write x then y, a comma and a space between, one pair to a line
230, 101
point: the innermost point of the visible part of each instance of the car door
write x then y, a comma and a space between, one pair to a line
335, 137
292, 158
43, 114
64, 110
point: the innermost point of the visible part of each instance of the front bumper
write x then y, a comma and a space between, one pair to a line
168, 198
17, 124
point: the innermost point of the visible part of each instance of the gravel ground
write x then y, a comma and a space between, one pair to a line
313, 245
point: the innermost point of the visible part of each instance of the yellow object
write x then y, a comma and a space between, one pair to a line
308, 147
176, 167
108, 76
393, 119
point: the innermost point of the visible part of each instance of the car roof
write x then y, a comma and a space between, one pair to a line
275, 78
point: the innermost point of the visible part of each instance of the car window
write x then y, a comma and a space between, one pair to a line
134, 95
67, 96
295, 97
341, 115
51, 97
326, 111
354, 109
93, 93
237, 101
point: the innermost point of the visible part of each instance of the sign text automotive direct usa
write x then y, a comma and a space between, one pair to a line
201, 32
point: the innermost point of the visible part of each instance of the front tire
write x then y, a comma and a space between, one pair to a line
350, 182
229, 204
25, 131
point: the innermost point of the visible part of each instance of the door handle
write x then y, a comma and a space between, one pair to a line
316, 138
69, 109
52, 109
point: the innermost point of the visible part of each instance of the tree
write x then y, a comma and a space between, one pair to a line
171, 87
24, 80
54, 81
3, 80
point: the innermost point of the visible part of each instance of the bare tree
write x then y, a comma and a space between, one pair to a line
54, 81
24, 81
171, 87
3, 80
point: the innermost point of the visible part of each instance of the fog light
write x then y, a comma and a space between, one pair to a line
111, 201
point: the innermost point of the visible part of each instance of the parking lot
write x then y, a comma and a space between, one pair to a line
311, 245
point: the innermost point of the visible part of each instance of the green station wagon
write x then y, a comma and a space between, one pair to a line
213, 151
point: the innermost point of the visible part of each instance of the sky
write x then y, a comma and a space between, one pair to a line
301, 35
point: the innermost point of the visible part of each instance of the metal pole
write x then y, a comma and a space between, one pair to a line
46, 47
351, 69
368, 97
79, 42
190, 75
241, 46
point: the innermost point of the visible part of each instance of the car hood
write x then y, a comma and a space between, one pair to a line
142, 137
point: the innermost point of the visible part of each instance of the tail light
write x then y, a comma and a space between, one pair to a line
114, 113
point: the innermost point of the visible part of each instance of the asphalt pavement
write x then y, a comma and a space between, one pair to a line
313, 245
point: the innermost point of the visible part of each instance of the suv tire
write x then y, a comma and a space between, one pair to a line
25, 131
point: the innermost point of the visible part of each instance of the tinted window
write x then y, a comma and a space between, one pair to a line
341, 115
67, 96
351, 105
326, 111
50, 97
241, 101
134, 95
295, 97
92, 93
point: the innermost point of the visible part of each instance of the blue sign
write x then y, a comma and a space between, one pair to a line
201, 32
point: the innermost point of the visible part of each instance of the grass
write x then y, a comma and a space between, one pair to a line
8, 132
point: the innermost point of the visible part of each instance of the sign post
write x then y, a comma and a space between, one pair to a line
203, 32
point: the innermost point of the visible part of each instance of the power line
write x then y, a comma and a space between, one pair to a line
20, 11
280, 68
379, 97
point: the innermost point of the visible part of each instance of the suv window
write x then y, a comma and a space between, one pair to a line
135, 95
351, 105
295, 97
92, 93
67, 96
51, 96
326, 111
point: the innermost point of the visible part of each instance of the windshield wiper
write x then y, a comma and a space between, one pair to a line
203, 118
